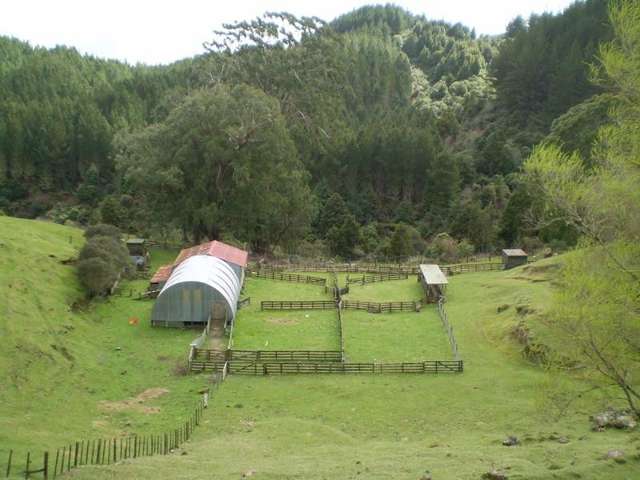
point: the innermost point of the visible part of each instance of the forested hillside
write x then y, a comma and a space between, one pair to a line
382, 133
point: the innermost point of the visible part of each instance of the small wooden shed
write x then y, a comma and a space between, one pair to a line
513, 257
138, 252
433, 281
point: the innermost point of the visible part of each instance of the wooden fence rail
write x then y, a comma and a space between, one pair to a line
207, 360
382, 277
288, 368
382, 307
244, 302
471, 267
286, 355
447, 327
480, 265
298, 305
288, 277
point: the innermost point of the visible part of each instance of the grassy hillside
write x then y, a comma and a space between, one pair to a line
68, 375
380, 427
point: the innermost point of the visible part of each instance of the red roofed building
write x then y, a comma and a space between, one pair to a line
236, 258
216, 249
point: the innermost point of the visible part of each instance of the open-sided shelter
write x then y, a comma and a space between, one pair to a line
433, 281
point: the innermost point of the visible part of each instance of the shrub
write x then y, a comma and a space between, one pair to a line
102, 259
97, 275
108, 249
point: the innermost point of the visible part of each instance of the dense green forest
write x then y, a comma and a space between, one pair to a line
380, 134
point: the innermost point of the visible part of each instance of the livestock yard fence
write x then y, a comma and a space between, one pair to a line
471, 267
382, 307
447, 327
106, 451
288, 368
287, 277
298, 305
381, 277
282, 362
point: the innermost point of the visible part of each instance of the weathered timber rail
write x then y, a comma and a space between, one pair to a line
382, 307
381, 269
312, 356
447, 327
244, 302
382, 277
288, 277
298, 305
292, 368
215, 360
471, 267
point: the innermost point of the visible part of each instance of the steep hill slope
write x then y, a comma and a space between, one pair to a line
65, 374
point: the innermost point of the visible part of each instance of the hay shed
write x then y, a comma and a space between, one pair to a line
513, 257
433, 281
199, 287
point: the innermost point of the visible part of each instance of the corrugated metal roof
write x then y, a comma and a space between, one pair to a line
433, 275
162, 274
216, 249
514, 252
136, 241
210, 271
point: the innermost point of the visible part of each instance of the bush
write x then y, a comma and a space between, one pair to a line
96, 275
108, 249
101, 260
102, 230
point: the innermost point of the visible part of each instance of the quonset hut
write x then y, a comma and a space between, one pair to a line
204, 281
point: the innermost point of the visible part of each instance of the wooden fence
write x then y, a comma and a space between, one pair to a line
382, 277
244, 302
447, 327
288, 277
480, 265
298, 305
103, 451
313, 356
287, 368
382, 307
206, 360
471, 267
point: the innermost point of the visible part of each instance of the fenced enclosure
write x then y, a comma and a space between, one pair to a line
382, 307
298, 305
288, 277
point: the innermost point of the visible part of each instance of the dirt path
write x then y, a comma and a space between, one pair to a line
216, 337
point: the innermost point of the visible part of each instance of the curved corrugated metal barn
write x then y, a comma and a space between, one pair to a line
201, 285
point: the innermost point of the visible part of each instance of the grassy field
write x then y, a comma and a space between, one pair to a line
394, 337
295, 330
380, 427
68, 375
312, 427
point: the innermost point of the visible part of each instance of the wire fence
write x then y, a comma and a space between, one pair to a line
447, 326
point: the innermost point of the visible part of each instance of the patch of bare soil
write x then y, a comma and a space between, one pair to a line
282, 321
136, 403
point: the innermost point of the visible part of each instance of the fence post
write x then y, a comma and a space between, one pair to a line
45, 467
26, 470
9, 462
